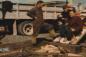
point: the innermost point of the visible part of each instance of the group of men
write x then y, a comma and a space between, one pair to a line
70, 25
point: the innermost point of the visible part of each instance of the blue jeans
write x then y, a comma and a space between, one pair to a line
65, 32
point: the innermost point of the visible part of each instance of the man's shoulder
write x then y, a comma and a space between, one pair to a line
34, 8
76, 17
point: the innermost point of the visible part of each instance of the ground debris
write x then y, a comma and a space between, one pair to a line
50, 49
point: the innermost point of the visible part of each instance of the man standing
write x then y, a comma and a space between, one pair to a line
37, 14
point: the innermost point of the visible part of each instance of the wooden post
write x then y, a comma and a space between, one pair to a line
55, 13
14, 28
17, 17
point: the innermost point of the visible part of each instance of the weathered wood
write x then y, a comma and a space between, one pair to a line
74, 55
11, 53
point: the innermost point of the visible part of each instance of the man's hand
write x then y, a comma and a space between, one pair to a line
72, 29
35, 17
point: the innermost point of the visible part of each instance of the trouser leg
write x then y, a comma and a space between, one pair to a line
36, 29
3, 14
50, 29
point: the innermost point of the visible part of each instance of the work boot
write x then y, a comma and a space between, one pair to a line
52, 33
57, 39
34, 42
64, 41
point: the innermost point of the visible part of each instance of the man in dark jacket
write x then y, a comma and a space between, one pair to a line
37, 14
76, 26
75, 23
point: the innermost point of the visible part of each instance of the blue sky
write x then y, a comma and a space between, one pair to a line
34, 1
27, 1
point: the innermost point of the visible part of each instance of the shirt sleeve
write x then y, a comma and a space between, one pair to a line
31, 13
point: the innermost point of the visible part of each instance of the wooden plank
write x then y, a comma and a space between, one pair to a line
11, 53
14, 28
74, 55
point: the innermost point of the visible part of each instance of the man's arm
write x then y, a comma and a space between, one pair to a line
31, 13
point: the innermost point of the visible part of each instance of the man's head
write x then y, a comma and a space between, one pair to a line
71, 13
40, 4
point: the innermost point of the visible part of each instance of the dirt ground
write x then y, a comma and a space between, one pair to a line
21, 46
